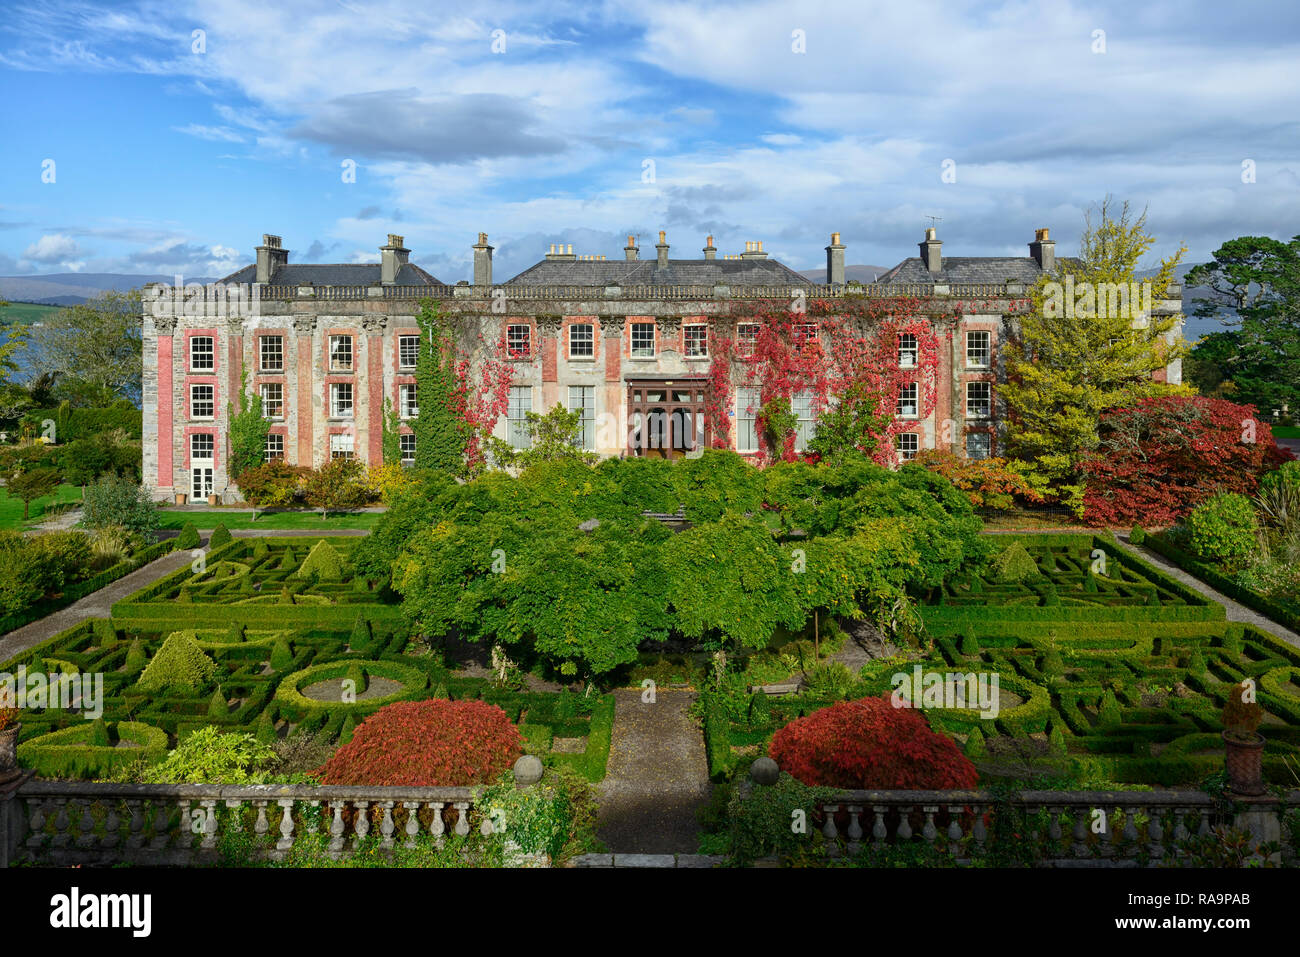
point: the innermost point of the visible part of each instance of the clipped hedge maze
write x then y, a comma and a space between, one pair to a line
285, 581
1071, 578
243, 668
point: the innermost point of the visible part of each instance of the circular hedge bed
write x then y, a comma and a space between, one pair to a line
434, 743
290, 694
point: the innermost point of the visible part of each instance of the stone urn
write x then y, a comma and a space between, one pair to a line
9, 752
180, 498
1244, 762
214, 499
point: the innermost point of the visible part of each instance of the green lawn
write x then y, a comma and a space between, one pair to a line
1286, 431
310, 521
25, 313
11, 509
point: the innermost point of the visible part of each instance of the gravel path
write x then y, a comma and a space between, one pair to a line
1234, 610
94, 605
657, 776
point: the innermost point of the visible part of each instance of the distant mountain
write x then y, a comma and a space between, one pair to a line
73, 288
860, 273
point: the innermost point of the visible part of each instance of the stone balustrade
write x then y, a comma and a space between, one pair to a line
646, 292
1056, 828
92, 823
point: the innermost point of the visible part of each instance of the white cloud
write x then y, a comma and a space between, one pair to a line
53, 249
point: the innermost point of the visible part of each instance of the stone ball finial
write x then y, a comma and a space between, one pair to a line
528, 771
764, 771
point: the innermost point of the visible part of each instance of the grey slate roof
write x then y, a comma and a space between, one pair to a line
990, 269
335, 274
678, 272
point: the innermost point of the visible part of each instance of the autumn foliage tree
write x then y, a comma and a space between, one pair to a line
434, 743
1069, 362
870, 744
1161, 457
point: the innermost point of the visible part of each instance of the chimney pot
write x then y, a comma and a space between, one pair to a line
270, 257
931, 252
1043, 250
482, 261
835, 261
568, 249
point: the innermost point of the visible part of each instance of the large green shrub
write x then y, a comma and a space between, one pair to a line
189, 536
118, 501
1014, 564
180, 666
323, 562
220, 535
1223, 528
210, 756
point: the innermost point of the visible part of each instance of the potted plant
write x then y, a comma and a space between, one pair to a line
9, 726
180, 498
214, 499
1242, 741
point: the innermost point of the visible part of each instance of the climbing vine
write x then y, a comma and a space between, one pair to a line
829, 351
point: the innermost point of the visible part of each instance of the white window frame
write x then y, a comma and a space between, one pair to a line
908, 351
195, 401
515, 331
336, 409
747, 397
974, 403
202, 481
584, 397
987, 438
580, 347
406, 448
403, 351
205, 360
267, 409
343, 445
210, 446
408, 398
642, 351
974, 352
909, 401
802, 405
518, 404
699, 347
907, 444
274, 446
263, 353
342, 354
746, 341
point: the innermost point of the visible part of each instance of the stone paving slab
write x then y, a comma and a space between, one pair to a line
657, 776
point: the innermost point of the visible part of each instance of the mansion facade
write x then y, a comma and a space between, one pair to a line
329, 347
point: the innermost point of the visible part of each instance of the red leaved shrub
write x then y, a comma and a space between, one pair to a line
1164, 456
427, 743
870, 744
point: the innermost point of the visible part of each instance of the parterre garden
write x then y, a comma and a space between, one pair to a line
1109, 672
260, 638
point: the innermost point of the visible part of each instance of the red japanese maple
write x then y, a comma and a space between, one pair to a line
1163, 456
427, 743
869, 743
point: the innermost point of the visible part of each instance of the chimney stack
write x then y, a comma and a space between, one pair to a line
1043, 250
754, 250
835, 261
631, 252
482, 261
710, 251
562, 252
661, 248
931, 257
270, 257
392, 257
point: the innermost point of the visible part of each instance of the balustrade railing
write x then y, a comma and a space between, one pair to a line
1052, 828
89, 823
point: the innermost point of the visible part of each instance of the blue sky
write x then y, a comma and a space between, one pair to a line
171, 159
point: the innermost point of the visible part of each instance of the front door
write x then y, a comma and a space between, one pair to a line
200, 482
666, 417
